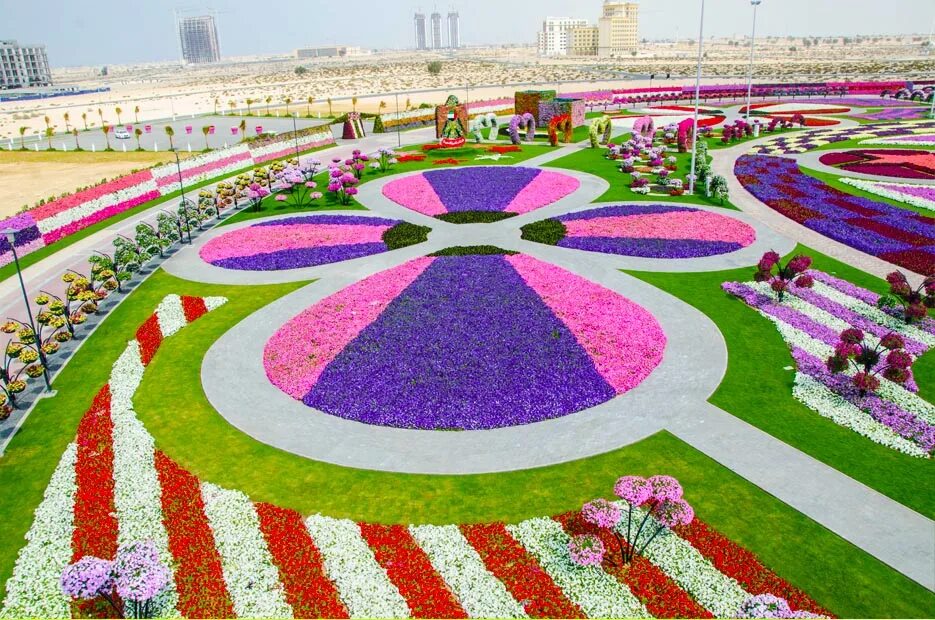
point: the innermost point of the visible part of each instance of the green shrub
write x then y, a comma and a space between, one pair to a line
405, 234
474, 217
548, 231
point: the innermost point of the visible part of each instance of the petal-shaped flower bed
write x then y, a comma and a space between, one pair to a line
423, 346
308, 241
480, 193
649, 231
899, 163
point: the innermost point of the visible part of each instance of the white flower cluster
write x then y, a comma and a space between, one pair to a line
203, 159
170, 315
90, 207
362, 583
305, 141
410, 116
34, 590
883, 189
598, 594
502, 108
249, 573
480, 593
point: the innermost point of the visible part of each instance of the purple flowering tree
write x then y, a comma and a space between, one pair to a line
770, 606
853, 352
296, 187
915, 302
781, 277
341, 184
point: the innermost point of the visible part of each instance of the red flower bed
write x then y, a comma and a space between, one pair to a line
410, 570
662, 597
836, 159
890, 231
431, 146
519, 572
739, 563
898, 163
810, 121
199, 578
795, 211
307, 589
915, 260
447, 162
149, 335
410, 157
194, 308
504, 148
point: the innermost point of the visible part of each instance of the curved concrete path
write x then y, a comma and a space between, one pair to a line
811, 160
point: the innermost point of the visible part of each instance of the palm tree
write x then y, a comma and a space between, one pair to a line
308, 108
74, 132
170, 132
48, 122
381, 107
22, 138
136, 114
243, 130
329, 107
408, 103
231, 105
118, 111
84, 117
354, 104
205, 130
100, 113
268, 99
49, 132
106, 128
216, 102
138, 132
287, 101
67, 118
249, 103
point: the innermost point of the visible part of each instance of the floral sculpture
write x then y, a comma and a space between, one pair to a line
793, 273
867, 359
645, 128
658, 497
563, 122
599, 126
342, 183
915, 302
525, 120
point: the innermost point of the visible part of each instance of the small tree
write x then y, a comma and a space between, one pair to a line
49, 132
67, 118
205, 130
106, 129
118, 111
435, 67
231, 104
136, 114
243, 130
216, 102
914, 302
249, 103
865, 359
138, 132
287, 101
100, 114
84, 117
169, 134
74, 132
719, 188
300, 70
22, 138
308, 106
330, 113
269, 99
792, 273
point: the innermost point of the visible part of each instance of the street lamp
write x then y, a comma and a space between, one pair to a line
295, 134
691, 178
399, 138
11, 238
185, 202
755, 4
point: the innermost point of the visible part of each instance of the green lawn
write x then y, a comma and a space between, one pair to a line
757, 359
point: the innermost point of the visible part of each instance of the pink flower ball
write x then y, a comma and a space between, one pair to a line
601, 513
280, 198
665, 488
351, 191
586, 550
633, 489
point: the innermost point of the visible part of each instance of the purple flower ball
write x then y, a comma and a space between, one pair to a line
633, 489
586, 550
601, 513
673, 512
87, 578
665, 488
140, 574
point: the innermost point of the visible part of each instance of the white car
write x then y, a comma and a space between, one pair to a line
121, 134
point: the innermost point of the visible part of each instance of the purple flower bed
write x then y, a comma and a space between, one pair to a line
650, 248
300, 257
894, 114
486, 188
807, 140
899, 236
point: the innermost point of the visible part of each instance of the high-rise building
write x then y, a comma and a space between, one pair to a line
583, 41
454, 30
199, 37
419, 21
436, 30
617, 28
554, 39
23, 65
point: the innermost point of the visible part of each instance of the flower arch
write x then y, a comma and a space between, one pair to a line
525, 120
645, 127
563, 122
602, 126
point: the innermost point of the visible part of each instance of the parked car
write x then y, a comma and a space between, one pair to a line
121, 134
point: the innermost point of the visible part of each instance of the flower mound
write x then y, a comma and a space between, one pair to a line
421, 346
654, 231
505, 189
903, 164
294, 242
880, 229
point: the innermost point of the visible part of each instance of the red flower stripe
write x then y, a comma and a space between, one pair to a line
519, 571
662, 597
410, 570
194, 308
199, 578
308, 590
150, 337
741, 564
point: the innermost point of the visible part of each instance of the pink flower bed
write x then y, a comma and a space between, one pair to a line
701, 225
94, 218
285, 152
300, 350
22, 250
271, 238
203, 168
545, 189
416, 193
623, 339
79, 198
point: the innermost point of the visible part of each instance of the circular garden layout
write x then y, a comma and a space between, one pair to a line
898, 163
648, 231
464, 342
307, 241
480, 193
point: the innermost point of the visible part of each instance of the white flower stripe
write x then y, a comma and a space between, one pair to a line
170, 314
64, 218
204, 159
363, 585
816, 314
316, 139
598, 594
213, 303
715, 591
249, 573
480, 594
34, 590
881, 189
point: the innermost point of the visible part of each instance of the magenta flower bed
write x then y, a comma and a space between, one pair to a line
899, 163
510, 189
421, 346
98, 216
79, 198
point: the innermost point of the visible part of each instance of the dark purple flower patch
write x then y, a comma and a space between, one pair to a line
300, 257
650, 248
632, 209
331, 219
485, 188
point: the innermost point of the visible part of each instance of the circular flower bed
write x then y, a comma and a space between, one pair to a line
649, 231
307, 241
422, 346
479, 193
795, 108
898, 163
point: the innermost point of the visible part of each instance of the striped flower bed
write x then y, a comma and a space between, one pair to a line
810, 321
800, 142
917, 195
231, 557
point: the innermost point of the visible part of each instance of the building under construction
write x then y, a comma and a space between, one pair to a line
199, 39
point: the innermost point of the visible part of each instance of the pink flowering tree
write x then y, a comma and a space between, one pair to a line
781, 277
295, 186
886, 358
914, 302
770, 606
341, 184
659, 497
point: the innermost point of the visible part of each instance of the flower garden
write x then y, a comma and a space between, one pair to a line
720, 421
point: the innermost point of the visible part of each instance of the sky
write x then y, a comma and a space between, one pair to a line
99, 32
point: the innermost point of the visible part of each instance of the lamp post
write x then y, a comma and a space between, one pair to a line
295, 134
691, 178
932, 110
184, 203
399, 138
755, 4
11, 238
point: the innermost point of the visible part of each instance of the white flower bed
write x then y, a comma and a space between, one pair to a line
480, 593
410, 116
804, 108
34, 590
362, 583
880, 189
171, 315
249, 573
64, 218
597, 593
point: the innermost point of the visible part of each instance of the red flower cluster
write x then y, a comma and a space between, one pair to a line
199, 578
149, 336
504, 148
307, 589
431, 146
447, 162
193, 307
506, 559
410, 157
410, 570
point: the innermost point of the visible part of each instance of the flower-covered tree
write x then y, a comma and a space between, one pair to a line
770, 606
341, 183
915, 302
868, 361
792, 273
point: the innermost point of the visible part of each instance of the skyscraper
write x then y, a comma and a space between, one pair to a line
454, 30
199, 37
436, 30
617, 28
419, 21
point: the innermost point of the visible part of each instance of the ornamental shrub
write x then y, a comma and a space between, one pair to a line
913, 303
549, 231
868, 361
792, 273
405, 234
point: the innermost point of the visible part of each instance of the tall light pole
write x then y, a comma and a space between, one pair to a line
399, 138
691, 178
755, 4
184, 203
295, 134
